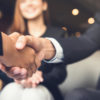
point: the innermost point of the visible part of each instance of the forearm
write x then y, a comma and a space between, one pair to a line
49, 49
56, 76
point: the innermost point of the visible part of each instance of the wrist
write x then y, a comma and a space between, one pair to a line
49, 49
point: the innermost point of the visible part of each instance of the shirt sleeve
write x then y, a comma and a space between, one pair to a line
59, 52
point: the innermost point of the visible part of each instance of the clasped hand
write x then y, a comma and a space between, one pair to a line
26, 58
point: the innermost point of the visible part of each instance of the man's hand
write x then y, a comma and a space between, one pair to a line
43, 48
33, 81
12, 57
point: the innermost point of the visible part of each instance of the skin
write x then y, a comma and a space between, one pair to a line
32, 10
11, 56
43, 53
38, 44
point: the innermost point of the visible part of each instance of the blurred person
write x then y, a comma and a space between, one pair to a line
91, 39
31, 18
9, 56
86, 45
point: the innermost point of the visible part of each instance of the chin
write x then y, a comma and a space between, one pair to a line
31, 17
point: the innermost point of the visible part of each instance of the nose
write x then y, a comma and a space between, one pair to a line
30, 2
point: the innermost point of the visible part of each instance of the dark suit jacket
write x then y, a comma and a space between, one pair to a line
1, 50
76, 49
53, 74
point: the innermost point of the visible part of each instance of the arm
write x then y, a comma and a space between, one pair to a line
56, 76
13, 57
76, 49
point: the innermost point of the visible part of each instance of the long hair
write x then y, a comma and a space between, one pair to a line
19, 23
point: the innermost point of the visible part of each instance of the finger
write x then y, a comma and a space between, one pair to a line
23, 72
15, 70
37, 61
39, 73
34, 85
36, 79
14, 35
2, 68
18, 77
41, 55
18, 73
30, 41
26, 83
39, 76
17, 81
33, 70
29, 82
21, 42
23, 82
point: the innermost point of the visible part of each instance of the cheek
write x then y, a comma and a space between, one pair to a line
22, 7
40, 8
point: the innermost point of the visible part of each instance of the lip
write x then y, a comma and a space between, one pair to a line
30, 10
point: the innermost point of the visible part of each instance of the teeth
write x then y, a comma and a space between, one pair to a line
30, 10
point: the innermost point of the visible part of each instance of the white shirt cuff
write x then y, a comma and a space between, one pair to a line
59, 52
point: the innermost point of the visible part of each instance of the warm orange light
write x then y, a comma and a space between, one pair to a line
64, 28
1, 15
91, 20
75, 12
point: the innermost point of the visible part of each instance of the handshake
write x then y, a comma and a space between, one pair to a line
22, 55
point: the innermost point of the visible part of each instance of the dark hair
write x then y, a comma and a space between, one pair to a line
19, 23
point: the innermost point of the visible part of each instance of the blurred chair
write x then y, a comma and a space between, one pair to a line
83, 74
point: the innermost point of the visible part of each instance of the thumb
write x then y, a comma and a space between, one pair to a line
41, 55
21, 43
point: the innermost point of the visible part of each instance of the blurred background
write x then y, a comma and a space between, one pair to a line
75, 16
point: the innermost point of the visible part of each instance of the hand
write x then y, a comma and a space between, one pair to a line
38, 44
33, 81
43, 47
13, 57
14, 72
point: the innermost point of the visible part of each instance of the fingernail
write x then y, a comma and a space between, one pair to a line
19, 45
15, 72
23, 72
41, 80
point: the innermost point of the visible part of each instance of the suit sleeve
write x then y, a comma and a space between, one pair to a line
56, 76
76, 49
1, 49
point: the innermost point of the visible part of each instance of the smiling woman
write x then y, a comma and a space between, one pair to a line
31, 18
28, 10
